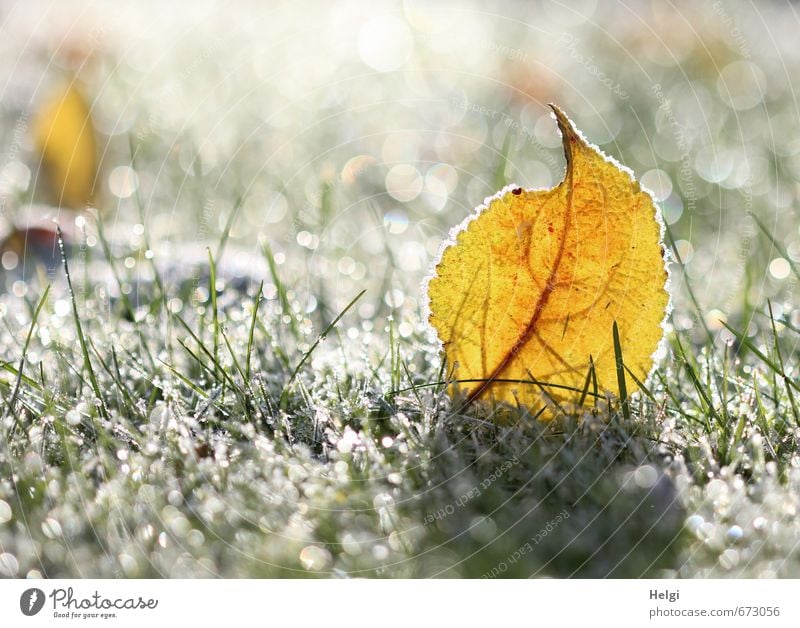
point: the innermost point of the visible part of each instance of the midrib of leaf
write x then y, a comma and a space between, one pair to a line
569, 140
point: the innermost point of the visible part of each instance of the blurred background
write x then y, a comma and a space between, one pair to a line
342, 141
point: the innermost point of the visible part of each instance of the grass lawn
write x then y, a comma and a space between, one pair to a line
228, 373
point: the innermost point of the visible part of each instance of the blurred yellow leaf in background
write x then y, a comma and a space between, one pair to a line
65, 139
525, 296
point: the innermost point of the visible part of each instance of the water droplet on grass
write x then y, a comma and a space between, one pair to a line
314, 558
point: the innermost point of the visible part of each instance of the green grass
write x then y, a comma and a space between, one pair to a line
239, 460
229, 375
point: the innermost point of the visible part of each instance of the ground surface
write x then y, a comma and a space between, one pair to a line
155, 426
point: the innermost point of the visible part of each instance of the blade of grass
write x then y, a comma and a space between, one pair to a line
252, 330
212, 291
621, 384
226, 232
87, 362
199, 391
640, 384
218, 368
707, 406
13, 400
778, 246
545, 392
783, 375
760, 355
590, 378
281, 289
411, 381
319, 339
126, 302
689, 289
129, 402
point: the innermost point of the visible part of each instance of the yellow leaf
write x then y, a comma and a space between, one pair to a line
65, 138
525, 294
